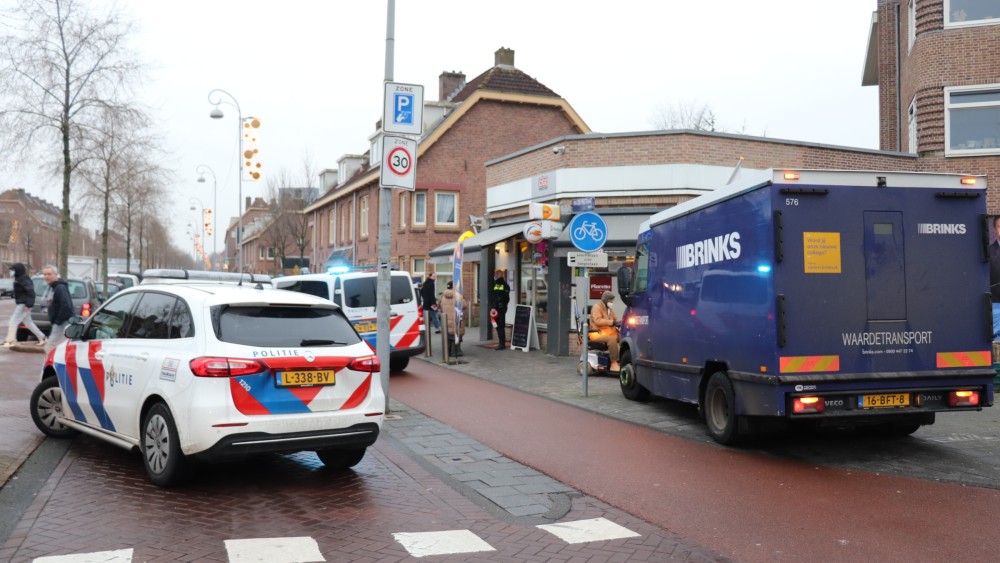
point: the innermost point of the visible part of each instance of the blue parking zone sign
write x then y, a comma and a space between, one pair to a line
402, 104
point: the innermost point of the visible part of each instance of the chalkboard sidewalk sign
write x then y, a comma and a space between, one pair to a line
525, 333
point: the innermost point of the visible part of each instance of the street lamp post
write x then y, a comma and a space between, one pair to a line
217, 114
202, 168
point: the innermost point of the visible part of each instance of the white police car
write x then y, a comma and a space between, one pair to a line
187, 367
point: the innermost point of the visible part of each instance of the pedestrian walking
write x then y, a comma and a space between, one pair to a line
60, 305
24, 299
499, 298
428, 294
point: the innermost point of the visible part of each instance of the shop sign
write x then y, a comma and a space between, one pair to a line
598, 285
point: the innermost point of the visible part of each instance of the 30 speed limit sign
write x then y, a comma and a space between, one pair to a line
399, 162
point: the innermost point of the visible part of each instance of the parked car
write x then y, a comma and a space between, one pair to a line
85, 301
6, 287
125, 280
105, 293
214, 372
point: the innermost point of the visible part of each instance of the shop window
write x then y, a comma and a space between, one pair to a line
971, 12
972, 115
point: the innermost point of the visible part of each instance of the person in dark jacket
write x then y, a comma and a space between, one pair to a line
24, 298
428, 295
499, 298
60, 305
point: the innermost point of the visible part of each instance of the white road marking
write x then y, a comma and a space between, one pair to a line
274, 550
422, 544
117, 556
582, 531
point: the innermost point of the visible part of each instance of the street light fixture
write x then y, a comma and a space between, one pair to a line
215, 97
202, 168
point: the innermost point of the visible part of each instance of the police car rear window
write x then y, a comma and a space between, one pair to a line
282, 326
361, 292
311, 287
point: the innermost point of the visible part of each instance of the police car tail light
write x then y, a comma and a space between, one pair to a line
365, 363
225, 367
802, 405
963, 398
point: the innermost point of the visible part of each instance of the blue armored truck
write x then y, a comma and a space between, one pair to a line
840, 298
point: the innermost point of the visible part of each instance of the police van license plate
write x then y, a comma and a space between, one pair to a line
884, 400
306, 378
365, 327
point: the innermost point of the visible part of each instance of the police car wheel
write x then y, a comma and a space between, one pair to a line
631, 388
341, 459
720, 410
46, 409
398, 364
161, 449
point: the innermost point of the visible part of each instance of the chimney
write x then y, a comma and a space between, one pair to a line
247, 206
504, 56
449, 83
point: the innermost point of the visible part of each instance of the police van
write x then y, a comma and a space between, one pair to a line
835, 298
356, 293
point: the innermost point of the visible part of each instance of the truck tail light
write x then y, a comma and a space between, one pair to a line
225, 367
963, 398
803, 405
85, 310
365, 363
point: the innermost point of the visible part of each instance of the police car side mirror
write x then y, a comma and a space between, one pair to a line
625, 285
74, 330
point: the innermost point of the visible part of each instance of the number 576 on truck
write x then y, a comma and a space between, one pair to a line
833, 297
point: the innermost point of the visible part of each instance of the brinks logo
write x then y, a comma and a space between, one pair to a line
941, 228
709, 251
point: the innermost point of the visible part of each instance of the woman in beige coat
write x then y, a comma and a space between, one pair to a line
447, 305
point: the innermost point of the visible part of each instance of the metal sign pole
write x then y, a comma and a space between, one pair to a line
385, 234
586, 330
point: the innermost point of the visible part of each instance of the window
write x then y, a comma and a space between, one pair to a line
364, 216
345, 222
266, 253
151, 317
277, 326
419, 267
911, 23
332, 230
971, 12
972, 120
181, 325
420, 208
108, 322
446, 209
912, 129
361, 292
404, 206
642, 268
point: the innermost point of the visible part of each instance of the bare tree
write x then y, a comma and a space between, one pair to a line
120, 157
60, 64
684, 115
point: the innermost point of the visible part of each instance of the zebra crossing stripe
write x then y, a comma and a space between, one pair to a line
422, 544
582, 531
274, 550
117, 556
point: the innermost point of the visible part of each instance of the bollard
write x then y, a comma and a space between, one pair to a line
444, 338
428, 349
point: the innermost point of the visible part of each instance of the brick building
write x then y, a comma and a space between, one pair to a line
29, 231
500, 111
937, 66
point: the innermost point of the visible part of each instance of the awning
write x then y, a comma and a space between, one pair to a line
473, 245
623, 230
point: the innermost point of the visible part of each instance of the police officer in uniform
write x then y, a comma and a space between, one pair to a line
499, 298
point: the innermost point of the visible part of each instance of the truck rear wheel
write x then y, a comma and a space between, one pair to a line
719, 406
631, 388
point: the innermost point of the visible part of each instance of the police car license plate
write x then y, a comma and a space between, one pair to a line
884, 400
365, 327
306, 378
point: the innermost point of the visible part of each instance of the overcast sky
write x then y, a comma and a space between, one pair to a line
312, 71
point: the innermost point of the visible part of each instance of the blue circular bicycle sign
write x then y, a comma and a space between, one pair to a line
588, 232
